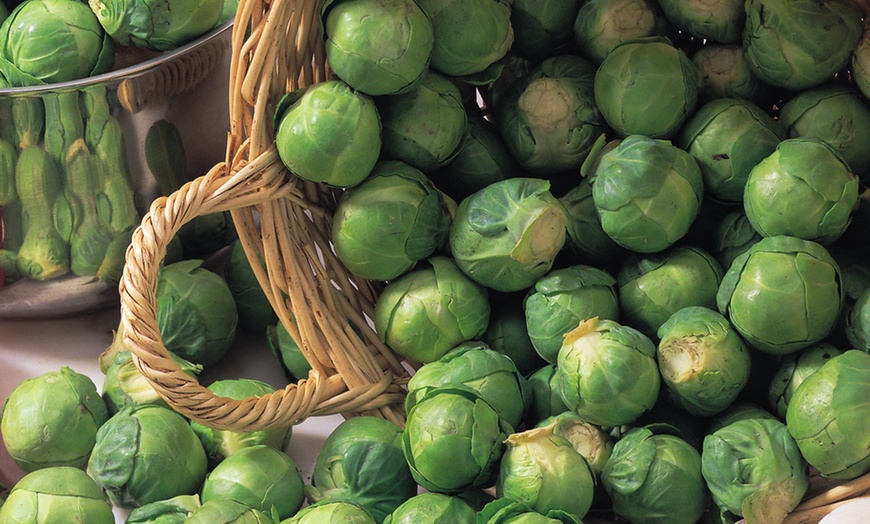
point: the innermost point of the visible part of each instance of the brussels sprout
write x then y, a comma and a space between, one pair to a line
147, 453
175, 510
124, 385
50, 41
507, 334
601, 25
548, 117
456, 427
433, 508
507, 235
228, 511
196, 312
288, 353
647, 87
653, 287
793, 370
703, 361
725, 73
797, 44
543, 29
56, 494
162, 25
564, 297
783, 294
362, 461
587, 243
647, 193
331, 512
738, 410
482, 160
543, 471
860, 62
507, 511
728, 137
857, 327
607, 372
328, 133
655, 478
718, 20
52, 420
591, 441
827, 419
754, 469
255, 311
384, 226
473, 365
220, 444
546, 400
470, 35
732, 236
803, 189
838, 115
430, 310
258, 476
423, 127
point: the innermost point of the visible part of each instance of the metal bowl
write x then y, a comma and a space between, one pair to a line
187, 88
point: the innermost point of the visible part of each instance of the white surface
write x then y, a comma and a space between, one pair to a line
29, 348
854, 512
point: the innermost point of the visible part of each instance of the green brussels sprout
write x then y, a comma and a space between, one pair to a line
124, 385
546, 400
782, 295
50, 41
543, 29
732, 236
803, 189
653, 287
424, 127
293, 362
718, 20
507, 235
797, 44
259, 476
383, 227
433, 508
703, 361
474, 365
196, 312
647, 193
586, 242
827, 419
728, 137
52, 420
378, 47
175, 510
655, 478
56, 494
454, 427
793, 369
328, 133
507, 511
754, 469
607, 372
507, 334
430, 310
362, 461
483, 159
543, 471
255, 311
838, 115
601, 25
470, 35
857, 327
331, 512
860, 62
548, 117
563, 298
725, 73
591, 441
160, 25
647, 87
220, 444
147, 453
228, 511
738, 410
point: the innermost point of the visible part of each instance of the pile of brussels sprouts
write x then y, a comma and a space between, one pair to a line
622, 244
